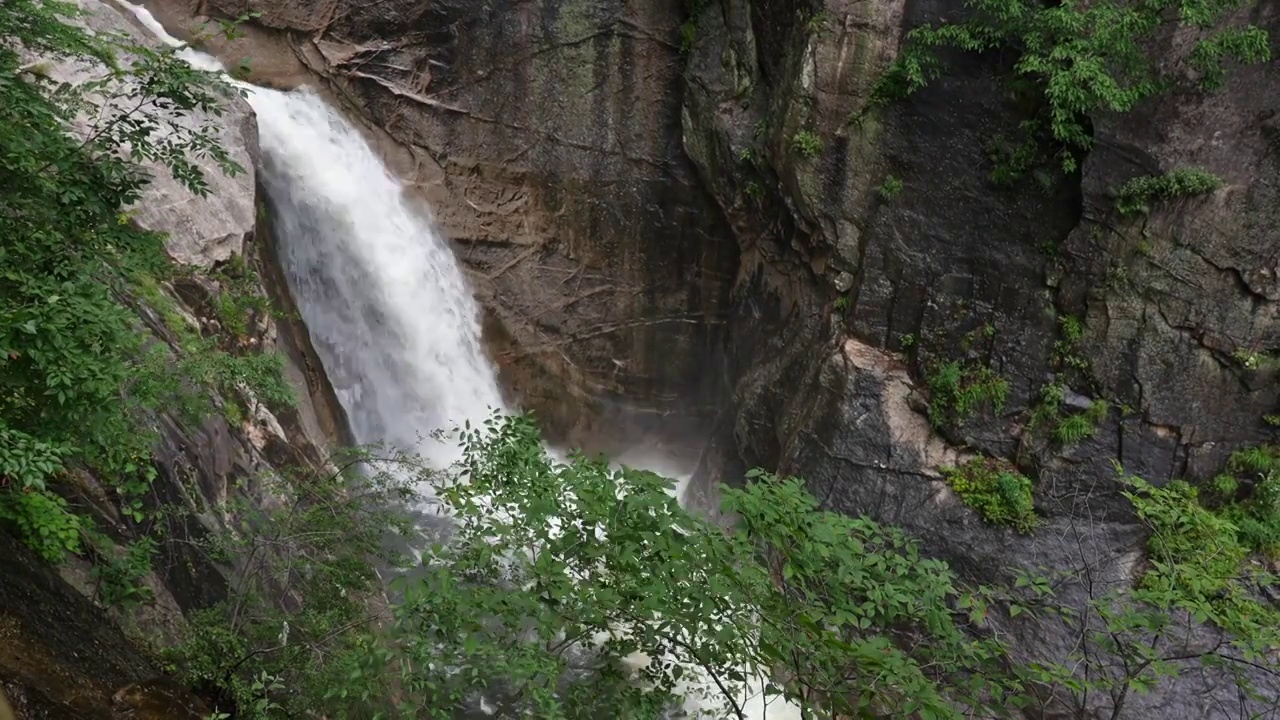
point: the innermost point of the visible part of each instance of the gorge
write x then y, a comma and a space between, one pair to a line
697, 229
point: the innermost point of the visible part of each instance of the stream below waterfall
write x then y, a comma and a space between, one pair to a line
383, 298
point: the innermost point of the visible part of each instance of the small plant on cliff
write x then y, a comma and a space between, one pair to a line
1248, 494
1081, 58
806, 144
1252, 360
890, 188
239, 302
1081, 425
996, 490
689, 28
957, 390
1138, 195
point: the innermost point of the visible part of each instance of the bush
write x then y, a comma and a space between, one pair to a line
996, 490
557, 574
1138, 194
806, 143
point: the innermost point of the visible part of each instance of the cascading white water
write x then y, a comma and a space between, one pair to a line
383, 298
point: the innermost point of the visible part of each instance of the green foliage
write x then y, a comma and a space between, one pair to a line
1080, 58
43, 520
239, 302
1078, 426
306, 570
579, 590
557, 575
806, 143
956, 391
1072, 329
1248, 495
996, 490
1195, 608
78, 374
1072, 429
119, 577
1253, 360
890, 188
1138, 195
1197, 565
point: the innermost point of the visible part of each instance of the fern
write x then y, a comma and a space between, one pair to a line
1262, 459
957, 391
1074, 428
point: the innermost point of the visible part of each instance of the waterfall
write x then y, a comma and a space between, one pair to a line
384, 300
387, 307
379, 290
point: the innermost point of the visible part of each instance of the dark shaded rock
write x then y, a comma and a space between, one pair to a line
62, 658
832, 382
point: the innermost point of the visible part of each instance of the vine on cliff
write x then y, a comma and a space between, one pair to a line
1082, 58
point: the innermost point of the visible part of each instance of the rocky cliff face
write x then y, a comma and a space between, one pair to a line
62, 657
872, 287
547, 139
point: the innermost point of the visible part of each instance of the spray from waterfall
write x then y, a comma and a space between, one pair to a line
387, 307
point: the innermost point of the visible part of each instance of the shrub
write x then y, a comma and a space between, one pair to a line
541, 604
1081, 58
806, 143
1137, 195
996, 490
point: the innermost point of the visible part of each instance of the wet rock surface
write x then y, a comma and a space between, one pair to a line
62, 658
547, 139
868, 292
